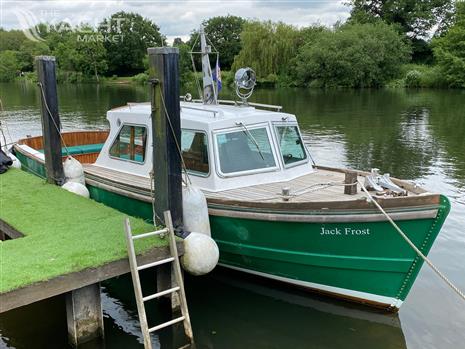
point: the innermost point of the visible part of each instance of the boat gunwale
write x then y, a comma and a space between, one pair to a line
424, 199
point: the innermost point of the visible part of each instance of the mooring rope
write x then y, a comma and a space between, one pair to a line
51, 117
405, 237
152, 196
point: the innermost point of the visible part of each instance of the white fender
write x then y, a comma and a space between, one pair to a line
76, 188
16, 162
195, 210
201, 254
74, 172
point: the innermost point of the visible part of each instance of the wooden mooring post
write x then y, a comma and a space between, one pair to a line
166, 128
167, 174
83, 305
46, 74
350, 182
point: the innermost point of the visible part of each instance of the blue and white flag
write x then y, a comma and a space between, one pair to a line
217, 75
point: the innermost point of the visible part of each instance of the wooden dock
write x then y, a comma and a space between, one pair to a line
57, 242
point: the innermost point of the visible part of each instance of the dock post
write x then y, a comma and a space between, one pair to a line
46, 74
84, 315
166, 131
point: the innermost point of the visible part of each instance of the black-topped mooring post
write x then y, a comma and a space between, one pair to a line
46, 74
166, 130
167, 175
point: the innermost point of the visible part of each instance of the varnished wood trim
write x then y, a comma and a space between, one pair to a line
323, 218
70, 138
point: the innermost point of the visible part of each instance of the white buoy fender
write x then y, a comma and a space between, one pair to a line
76, 188
74, 172
16, 162
201, 254
195, 210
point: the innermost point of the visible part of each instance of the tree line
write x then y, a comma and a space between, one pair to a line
396, 43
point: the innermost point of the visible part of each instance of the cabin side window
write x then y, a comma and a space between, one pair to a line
245, 150
290, 144
194, 148
130, 144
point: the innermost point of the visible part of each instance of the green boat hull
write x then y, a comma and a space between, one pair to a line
367, 262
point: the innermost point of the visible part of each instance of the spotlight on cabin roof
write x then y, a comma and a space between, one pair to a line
244, 79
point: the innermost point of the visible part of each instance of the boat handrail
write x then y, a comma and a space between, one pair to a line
201, 109
278, 108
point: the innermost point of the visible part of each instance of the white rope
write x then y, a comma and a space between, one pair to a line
419, 253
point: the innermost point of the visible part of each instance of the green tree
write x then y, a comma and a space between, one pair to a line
126, 38
267, 47
224, 32
449, 50
358, 55
185, 62
416, 18
82, 52
28, 50
11, 40
9, 65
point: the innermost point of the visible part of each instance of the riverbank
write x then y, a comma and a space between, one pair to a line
411, 76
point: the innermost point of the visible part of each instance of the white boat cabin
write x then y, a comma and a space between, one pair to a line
223, 146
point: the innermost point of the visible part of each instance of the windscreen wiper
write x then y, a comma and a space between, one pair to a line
249, 135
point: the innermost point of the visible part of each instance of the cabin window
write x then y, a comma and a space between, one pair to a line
245, 150
194, 148
290, 144
130, 144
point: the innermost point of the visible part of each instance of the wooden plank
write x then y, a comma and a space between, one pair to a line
8, 230
65, 283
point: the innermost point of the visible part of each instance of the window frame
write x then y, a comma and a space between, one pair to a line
195, 173
294, 124
114, 140
266, 126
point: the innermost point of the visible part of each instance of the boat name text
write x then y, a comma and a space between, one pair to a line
344, 231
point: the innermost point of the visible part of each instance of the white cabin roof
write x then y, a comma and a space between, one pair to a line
206, 117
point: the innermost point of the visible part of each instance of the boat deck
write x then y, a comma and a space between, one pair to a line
321, 185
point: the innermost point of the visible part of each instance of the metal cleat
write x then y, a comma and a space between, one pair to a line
385, 182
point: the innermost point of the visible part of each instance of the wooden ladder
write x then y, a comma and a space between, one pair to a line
140, 299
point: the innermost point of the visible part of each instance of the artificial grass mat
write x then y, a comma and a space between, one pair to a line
64, 232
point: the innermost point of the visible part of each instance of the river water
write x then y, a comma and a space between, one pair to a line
412, 134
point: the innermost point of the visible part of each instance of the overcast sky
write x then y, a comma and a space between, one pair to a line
175, 18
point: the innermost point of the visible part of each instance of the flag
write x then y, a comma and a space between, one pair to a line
217, 75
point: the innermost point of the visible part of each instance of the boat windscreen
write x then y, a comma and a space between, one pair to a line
290, 144
245, 150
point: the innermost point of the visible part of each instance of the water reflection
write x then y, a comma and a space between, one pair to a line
415, 134
228, 310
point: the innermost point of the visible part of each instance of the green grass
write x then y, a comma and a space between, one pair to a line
64, 232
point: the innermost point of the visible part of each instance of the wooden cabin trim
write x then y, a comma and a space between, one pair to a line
70, 138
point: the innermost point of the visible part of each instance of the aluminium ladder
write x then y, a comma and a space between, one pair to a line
140, 299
